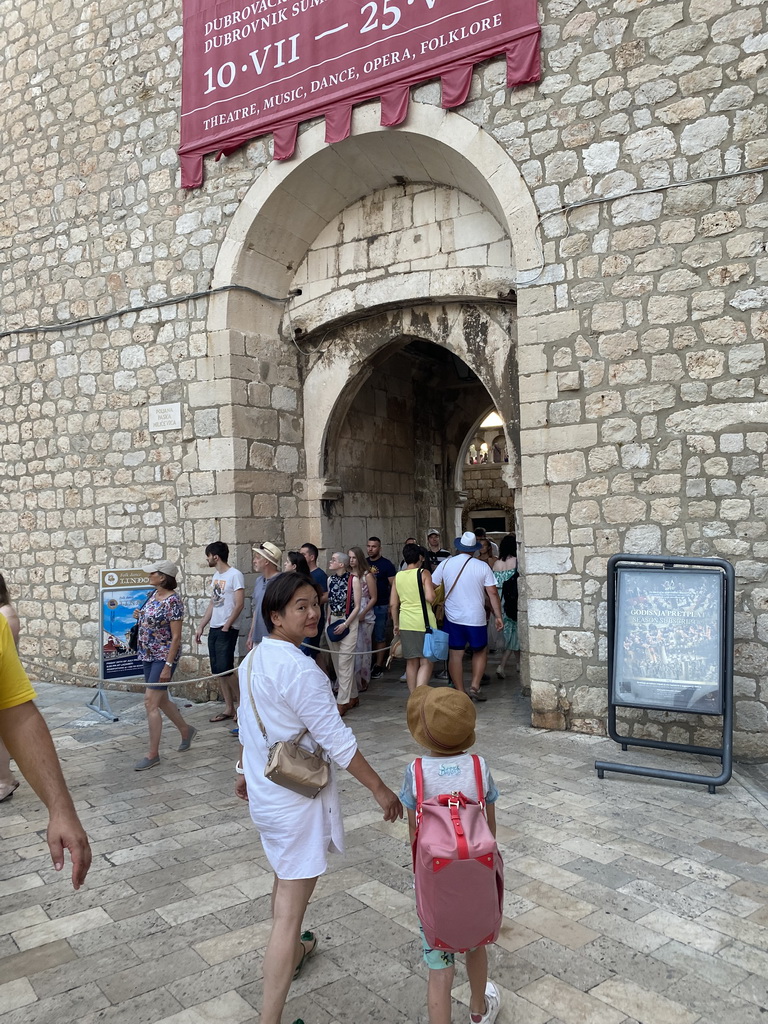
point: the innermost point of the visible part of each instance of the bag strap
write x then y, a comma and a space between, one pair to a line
259, 722
479, 781
427, 627
348, 606
418, 776
461, 570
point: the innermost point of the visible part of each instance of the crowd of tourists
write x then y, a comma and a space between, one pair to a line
308, 625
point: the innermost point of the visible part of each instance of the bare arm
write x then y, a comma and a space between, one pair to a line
13, 621
25, 734
173, 650
357, 599
373, 592
204, 622
429, 587
359, 768
493, 597
239, 603
412, 825
394, 608
490, 817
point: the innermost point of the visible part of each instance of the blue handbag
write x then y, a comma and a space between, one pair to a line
435, 640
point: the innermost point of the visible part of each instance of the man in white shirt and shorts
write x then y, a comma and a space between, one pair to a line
467, 581
223, 612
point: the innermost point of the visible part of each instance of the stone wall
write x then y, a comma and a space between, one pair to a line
640, 358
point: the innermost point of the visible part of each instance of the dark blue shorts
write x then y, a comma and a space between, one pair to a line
381, 611
459, 637
152, 670
221, 649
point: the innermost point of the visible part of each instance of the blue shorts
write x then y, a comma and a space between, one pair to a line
152, 670
459, 637
381, 611
436, 959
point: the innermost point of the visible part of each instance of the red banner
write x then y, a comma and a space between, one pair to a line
265, 65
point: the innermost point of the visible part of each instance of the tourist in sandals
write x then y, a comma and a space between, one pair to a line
291, 694
159, 647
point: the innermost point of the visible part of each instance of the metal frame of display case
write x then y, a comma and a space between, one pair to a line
725, 751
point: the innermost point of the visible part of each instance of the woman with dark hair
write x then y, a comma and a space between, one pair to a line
296, 562
291, 694
159, 647
506, 573
8, 784
408, 614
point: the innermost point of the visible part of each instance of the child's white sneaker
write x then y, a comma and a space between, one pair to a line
492, 1005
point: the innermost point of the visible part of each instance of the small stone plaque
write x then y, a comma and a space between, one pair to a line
165, 417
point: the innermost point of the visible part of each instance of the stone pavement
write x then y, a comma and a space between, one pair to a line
627, 899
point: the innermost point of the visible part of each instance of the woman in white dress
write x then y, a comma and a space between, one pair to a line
291, 694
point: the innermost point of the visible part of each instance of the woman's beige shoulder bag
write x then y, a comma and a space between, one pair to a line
288, 765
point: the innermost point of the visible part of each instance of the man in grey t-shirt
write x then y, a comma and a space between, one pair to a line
266, 561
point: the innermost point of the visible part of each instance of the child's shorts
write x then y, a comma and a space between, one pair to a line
436, 959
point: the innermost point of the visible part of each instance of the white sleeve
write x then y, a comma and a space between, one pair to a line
238, 581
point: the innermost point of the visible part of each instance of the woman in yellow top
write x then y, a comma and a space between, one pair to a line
8, 784
408, 614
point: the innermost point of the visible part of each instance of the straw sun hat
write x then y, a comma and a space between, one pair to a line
441, 719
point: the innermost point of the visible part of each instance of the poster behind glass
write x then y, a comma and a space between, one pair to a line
123, 592
668, 640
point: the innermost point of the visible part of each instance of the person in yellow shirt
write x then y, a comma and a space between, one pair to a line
25, 734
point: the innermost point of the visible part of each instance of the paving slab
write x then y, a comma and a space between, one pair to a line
627, 899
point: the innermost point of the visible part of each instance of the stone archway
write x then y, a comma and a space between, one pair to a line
482, 338
249, 339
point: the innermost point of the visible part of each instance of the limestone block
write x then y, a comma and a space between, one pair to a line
601, 157
643, 540
720, 223
568, 381
566, 466
554, 613
557, 439
662, 483
604, 403
717, 417
537, 530
650, 398
624, 509
547, 560
631, 372
731, 442
634, 209
656, 21
222, 453
618, 346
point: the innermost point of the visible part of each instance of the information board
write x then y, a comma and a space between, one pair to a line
265, 65
668, 640
123, 592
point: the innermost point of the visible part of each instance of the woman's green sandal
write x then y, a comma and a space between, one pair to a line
305, 937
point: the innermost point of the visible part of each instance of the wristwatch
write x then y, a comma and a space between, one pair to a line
169, 664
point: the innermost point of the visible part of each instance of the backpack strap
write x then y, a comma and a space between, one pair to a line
479, 781
418, 776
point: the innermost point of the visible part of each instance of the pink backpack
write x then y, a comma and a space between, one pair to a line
458, 869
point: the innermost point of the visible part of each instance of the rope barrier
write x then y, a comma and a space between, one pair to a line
137, 680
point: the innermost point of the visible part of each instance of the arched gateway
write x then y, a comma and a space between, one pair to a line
394, 258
